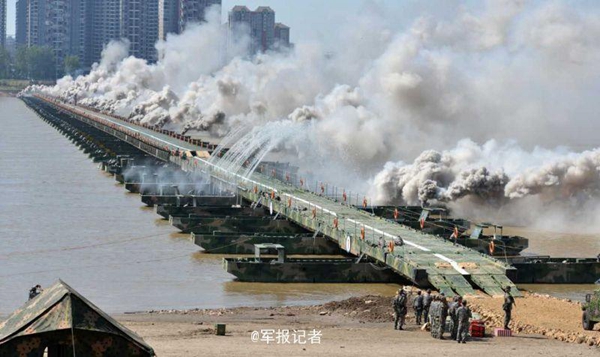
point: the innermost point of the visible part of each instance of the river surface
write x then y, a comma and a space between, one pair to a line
62, 218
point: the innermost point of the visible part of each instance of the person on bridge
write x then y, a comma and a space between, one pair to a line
426, 304
400, 309
463, 314
418, 307
507, 306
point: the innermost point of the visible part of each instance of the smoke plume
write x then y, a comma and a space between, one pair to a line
488, 109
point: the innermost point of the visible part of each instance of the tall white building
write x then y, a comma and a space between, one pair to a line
139, 24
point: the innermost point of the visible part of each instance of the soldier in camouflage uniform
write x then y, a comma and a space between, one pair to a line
435, 313
418, 307
400, 309
454, 306
463, 314
426, 304
507, 306
443, 314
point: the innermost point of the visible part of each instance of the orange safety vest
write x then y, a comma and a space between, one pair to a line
422, 223
335, 222
314, 213
290, 202
273, 194
396, 213
362, 233
391, 246
365, 202
492, 247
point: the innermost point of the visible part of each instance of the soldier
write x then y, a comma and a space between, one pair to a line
454, 306
435, 318
400, 309
463, 315
432, 318
509, 302
418, 306
35, 291
443, 314
426, 304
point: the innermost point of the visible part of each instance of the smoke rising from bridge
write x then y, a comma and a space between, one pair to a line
455, 110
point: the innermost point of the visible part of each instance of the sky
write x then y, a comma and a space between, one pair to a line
319, 19
308, 19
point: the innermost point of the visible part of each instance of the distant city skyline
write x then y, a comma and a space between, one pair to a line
318, 19
297, 14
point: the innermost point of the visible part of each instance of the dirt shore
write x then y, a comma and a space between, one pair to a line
359, 326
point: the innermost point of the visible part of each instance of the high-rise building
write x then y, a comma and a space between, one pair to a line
260, 26
60, 25
168, 18
2, 23
282, 35
139, 24
194, 11
21, 23
105, 26
174, 15
34, 21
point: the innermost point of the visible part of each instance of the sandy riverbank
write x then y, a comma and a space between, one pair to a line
358, 326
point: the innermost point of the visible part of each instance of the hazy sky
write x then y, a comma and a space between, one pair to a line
308, 19
319, 19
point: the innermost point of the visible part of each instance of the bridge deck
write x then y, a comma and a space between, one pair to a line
425, 259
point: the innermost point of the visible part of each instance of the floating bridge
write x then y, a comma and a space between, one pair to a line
424, 259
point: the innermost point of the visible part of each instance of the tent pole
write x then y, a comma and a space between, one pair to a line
73, 338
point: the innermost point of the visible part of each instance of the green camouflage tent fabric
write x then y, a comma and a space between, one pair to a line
59, 316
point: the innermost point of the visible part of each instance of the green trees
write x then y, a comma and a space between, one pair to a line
35, 63
5, 63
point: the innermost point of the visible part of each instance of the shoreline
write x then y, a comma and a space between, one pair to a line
541, 324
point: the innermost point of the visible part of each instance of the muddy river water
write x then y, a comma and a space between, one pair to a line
62, 218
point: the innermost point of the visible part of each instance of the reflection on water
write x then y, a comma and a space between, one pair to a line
60, 217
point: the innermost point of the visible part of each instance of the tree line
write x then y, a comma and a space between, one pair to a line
35, 63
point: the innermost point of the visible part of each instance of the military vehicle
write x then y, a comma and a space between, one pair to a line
591, 310
436, 221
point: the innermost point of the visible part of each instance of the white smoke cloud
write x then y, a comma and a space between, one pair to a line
500, 73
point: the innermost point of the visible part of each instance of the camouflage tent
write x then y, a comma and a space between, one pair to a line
64, 323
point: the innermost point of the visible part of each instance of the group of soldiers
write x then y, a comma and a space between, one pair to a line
435, 310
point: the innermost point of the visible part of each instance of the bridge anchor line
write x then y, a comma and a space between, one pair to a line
425, 259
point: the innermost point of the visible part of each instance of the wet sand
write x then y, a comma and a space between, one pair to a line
358, 326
